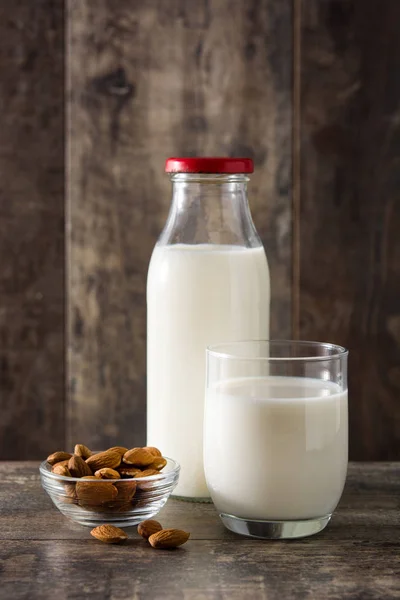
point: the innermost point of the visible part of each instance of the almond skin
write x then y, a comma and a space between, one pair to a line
158, 463
147, 473
58, 457
128, 472
82, 451
138, 457
153, 450
109, 534
168, 538
126, 490
147, 528
120, 449
95, 494
62, 470
78, 467
107, 474
60, 464
110, 459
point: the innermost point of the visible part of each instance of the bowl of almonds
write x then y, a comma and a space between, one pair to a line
120, 486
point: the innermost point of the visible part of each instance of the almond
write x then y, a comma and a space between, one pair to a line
82, 451
78, 467
107, 474
154, 451
138, 457
62, 470
147, 528
147, 473
128, 472
95, 494
70, 490
120, 449
126, 490
147, 486
58, 457
109, 534
169, 538
62, 463
109, 459
158, 463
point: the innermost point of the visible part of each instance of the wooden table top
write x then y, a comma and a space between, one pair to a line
44, 555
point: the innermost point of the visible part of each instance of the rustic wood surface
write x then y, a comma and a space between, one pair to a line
350, 204
43, 555
147, 80
31, 227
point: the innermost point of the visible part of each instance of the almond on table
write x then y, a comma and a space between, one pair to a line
169, 538
148, 527
109, 534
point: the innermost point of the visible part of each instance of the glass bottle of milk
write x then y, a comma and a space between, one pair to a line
208, 282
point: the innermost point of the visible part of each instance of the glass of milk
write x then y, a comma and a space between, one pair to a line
276, 435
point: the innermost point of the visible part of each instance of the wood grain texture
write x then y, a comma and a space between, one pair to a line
31, 227
350, 205
43, 555
147, 80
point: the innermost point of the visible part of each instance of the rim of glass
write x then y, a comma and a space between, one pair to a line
336, 350
175, 468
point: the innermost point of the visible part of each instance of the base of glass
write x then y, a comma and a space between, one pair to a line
274, 530
190, 499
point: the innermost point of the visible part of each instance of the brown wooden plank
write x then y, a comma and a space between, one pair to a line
350, 204
148, 80
43, 555
31, 228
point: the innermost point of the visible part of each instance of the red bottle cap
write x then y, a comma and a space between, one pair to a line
208, 164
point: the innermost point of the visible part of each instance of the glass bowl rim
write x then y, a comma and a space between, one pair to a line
44, 470
337, 351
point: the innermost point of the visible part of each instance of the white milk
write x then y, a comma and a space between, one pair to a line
197, 295
276, 447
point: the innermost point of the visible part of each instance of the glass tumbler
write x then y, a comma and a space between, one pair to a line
276, 435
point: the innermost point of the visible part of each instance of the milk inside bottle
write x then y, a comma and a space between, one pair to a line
208, 282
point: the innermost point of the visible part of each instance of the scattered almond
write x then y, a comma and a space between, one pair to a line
58, 457
107, 474
168, 538
147, 528
60, 469
153, 450
109, 534
109, 459
82, 451
78, 467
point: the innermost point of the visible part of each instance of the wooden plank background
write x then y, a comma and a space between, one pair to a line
31, 227
350, 205
149, 80
313, 83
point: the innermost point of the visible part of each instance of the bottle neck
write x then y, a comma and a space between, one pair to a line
210, 209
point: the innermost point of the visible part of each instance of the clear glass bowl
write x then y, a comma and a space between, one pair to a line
95, 505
